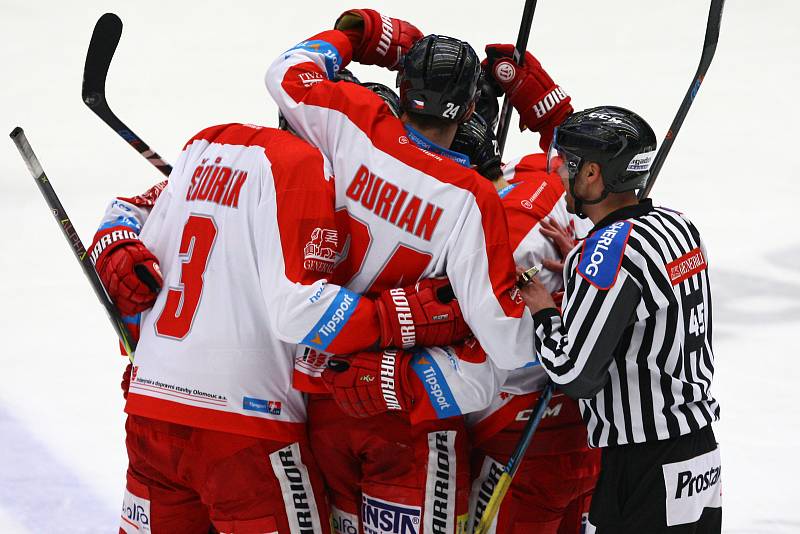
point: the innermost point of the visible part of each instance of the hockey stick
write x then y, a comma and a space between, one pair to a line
519, 56
105, 39
514, 461
72, 237
709, 47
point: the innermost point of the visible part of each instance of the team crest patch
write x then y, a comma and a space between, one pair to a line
601, 256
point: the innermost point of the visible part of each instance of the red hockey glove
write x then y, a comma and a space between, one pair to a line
377, 39
370, 383
129, 272
126, 381
425, 314
542, 105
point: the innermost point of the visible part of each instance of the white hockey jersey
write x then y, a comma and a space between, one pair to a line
404, 210
246, 238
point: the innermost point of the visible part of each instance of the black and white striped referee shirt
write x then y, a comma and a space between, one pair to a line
634, 340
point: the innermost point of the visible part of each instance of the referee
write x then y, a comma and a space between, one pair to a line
633, 341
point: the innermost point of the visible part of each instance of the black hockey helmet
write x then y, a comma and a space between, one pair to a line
387, 94
476, 139
439, 77
487, 105
619, 140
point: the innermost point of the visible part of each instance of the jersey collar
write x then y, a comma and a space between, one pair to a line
637, 210
426, 144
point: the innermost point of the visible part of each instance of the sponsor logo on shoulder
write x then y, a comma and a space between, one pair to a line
691, 486
686, 266
601, 256
310, 78
386, 517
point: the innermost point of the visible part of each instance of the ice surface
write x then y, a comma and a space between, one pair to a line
184, 65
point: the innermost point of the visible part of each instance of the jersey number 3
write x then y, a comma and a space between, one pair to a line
197, 241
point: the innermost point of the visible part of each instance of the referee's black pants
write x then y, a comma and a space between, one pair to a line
636, 493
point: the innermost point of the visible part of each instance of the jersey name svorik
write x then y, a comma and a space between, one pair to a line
215, 183
388, 202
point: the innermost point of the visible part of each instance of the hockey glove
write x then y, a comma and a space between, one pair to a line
425, 314
542, 105
126, 381
370, 383
128, 270
377, 39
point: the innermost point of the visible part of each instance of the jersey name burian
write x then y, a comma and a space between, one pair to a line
394, 204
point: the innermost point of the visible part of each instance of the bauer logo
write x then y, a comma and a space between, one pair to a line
135, 517
601, 256
384, 517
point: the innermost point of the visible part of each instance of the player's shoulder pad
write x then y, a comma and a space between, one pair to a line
602, 252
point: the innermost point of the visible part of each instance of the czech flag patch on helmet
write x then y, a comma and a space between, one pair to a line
601, 256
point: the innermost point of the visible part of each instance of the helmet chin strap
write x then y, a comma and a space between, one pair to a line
579, 202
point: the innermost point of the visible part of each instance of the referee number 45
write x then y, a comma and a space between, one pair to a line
697, 321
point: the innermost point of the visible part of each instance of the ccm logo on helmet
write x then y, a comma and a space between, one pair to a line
543, 106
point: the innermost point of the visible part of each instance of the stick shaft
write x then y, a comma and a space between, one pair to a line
519, 56
709, 48
72, 237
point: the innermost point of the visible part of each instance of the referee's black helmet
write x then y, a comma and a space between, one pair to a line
619, 140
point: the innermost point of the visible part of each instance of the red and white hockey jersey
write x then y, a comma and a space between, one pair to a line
246, 236
404, 212
457, 379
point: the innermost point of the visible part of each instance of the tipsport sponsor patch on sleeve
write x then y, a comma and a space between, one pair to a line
435, 383
333, 320
329, 53
602, 253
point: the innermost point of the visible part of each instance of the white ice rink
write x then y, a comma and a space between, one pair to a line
184, 65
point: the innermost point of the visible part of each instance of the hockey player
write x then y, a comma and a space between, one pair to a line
552, 490
412, 209
245, 233
633, 341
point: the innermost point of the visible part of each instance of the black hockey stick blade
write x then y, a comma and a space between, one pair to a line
709, 48
105, 38
519, 56
72, 237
